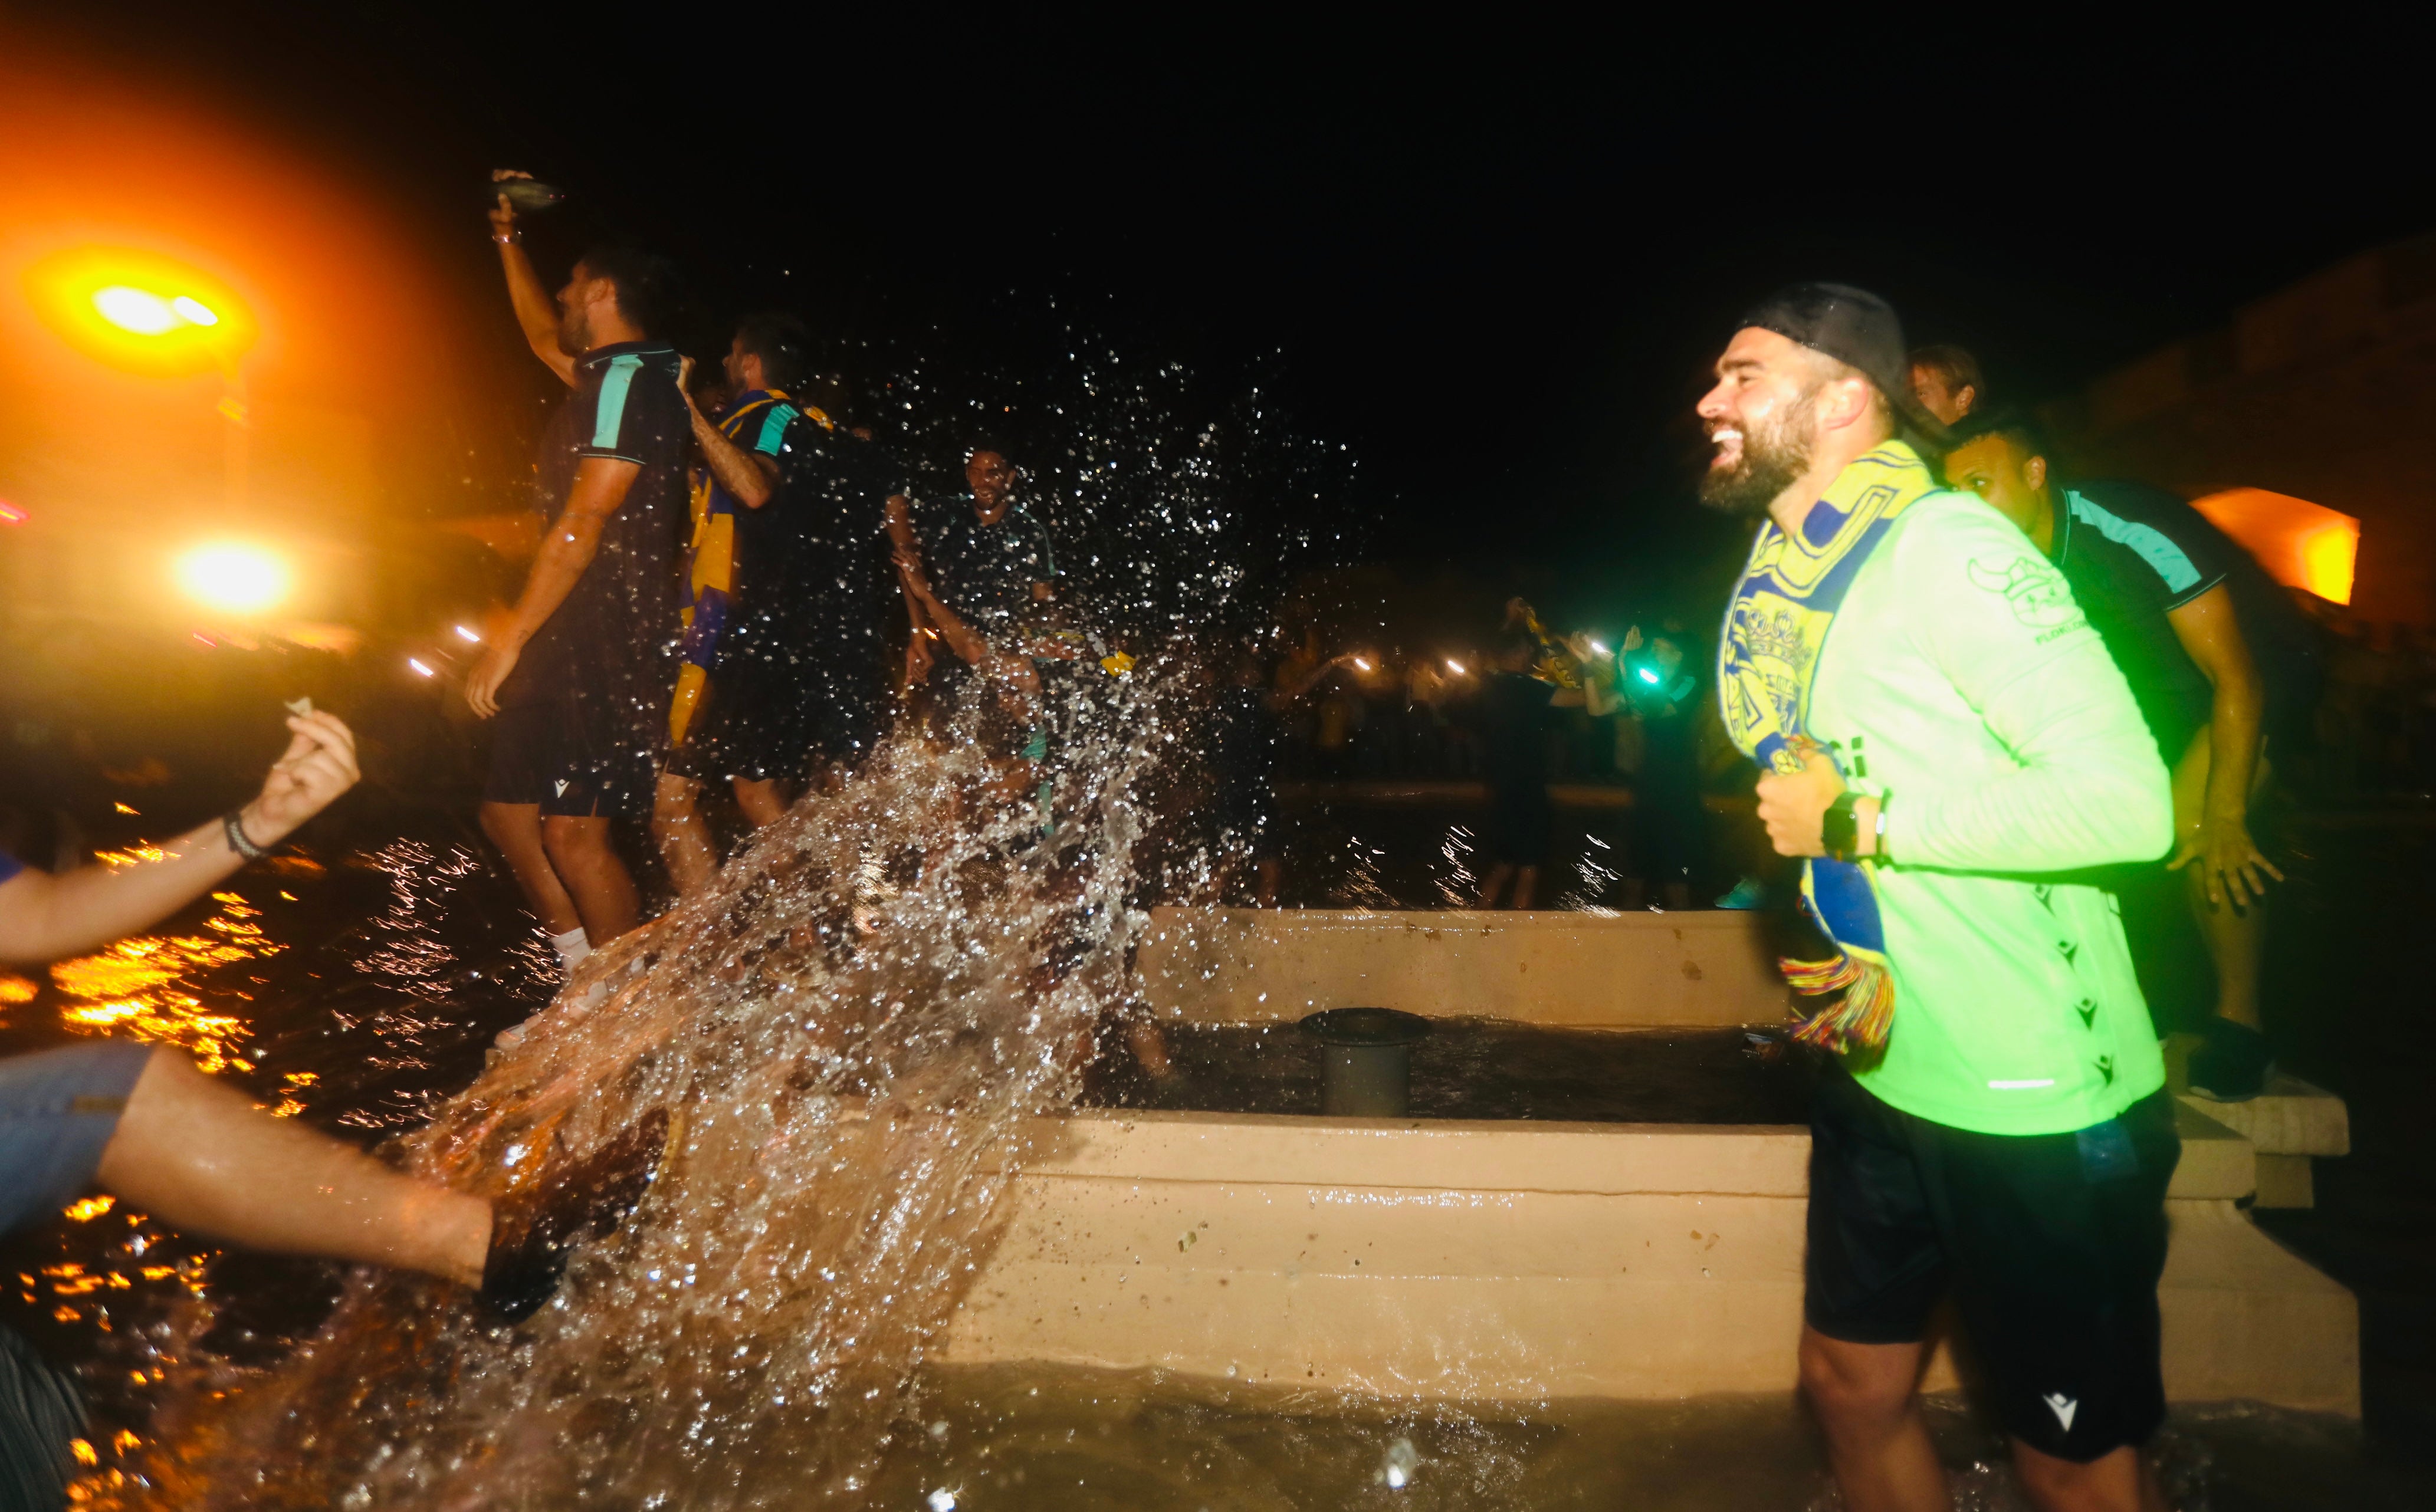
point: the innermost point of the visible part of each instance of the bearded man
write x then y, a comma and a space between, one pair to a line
1947, 759
580, 676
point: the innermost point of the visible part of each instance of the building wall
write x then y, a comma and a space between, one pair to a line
2325, 390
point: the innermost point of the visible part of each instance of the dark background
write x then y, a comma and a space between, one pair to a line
1490, 255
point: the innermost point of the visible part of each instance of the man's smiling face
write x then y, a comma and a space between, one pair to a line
1759, 419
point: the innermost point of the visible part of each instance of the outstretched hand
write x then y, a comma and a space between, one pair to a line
503, 214
2230, 862
319, 764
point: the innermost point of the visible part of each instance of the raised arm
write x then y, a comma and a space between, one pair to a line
536, 312
601, 486
751, 478
45, 917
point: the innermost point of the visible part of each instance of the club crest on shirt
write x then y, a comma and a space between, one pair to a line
2035, 591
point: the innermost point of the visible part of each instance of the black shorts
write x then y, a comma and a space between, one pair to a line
548, 753
2051, 1244
775, 711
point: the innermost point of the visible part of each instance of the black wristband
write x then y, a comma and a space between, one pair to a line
237, 843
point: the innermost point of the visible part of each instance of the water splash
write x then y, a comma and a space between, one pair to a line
854, 1097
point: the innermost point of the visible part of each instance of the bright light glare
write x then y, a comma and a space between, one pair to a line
11, 514
234, 578
1455, 667
416, 662
139, 310
194, 311
1649, 674
468, 634
1363, 662
1599, 648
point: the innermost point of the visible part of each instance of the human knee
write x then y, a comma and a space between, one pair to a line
1844, 1384
499, 821
2112, 1480
572, 840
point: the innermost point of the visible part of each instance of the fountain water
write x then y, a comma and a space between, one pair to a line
851, 1032
853, 1035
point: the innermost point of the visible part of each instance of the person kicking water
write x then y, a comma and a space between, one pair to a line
144, 1123
1945, 742
2225, 672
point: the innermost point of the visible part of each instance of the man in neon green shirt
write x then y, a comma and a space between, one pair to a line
1946, 737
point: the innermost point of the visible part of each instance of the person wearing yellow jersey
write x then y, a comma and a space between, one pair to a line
740, 451
1947, 745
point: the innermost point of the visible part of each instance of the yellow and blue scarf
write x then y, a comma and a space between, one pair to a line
1775, 627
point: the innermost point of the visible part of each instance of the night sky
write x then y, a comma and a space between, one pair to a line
1493, 257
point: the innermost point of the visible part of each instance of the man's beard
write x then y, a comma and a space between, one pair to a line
575, 331
1775, 455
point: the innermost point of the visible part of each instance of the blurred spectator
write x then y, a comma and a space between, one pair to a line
1514, 739
1948, 382
1660, 686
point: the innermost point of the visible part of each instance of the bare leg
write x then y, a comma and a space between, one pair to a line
2237, 937
2119, 1482
762, 801
196, 1153
1494, 884
515, 828
603, 890
1527, 884
1876, 1442
683, 838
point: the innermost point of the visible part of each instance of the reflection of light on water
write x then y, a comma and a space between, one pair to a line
134, 989
1595, 876
1458, 887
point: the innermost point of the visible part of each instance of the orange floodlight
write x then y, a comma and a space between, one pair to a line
141, 311
2299, 544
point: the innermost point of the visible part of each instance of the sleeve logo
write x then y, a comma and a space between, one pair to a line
2035, 591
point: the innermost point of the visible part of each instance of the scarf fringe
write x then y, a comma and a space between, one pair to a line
1864, 1017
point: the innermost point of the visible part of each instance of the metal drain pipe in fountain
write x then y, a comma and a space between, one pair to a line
1367, 1055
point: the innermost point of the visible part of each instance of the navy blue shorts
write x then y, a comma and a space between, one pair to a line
57, 1110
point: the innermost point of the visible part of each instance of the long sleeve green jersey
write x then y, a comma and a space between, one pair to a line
1961, 680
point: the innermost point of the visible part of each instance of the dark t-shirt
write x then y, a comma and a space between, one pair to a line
2133, 555
1514, 729
986, 572
611, 642
810, 559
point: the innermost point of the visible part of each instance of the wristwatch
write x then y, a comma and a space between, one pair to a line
1838, 829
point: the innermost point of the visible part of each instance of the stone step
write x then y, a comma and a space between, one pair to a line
1516, 1260
1579, 970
